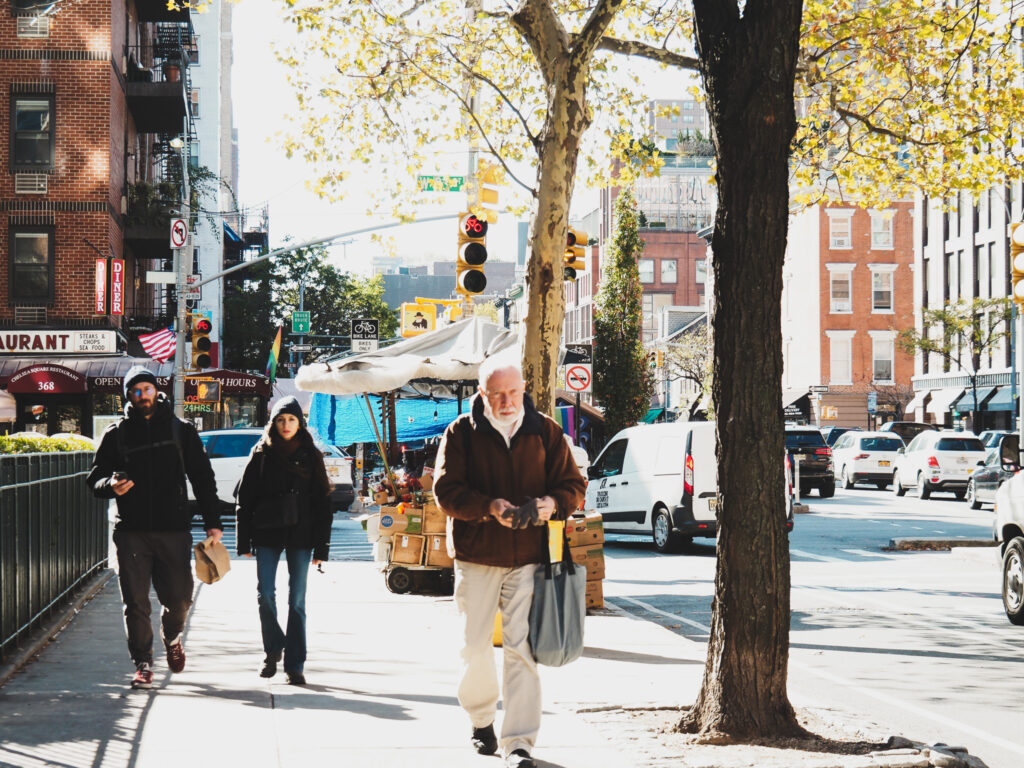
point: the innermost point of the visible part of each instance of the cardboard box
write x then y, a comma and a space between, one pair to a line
590, 557
595, 594
434, 520
381, 497
407, 549
427, 482
392, 523
585, 530
437, 551
382, 551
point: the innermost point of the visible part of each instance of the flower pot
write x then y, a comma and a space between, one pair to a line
172, 73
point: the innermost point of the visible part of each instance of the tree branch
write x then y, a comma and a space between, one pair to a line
586, 42
647, 51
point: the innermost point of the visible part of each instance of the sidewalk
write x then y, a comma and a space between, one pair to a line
382, 674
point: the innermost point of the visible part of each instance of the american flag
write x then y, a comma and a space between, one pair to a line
159, 345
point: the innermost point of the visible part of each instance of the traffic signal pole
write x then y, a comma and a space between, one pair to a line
182, 267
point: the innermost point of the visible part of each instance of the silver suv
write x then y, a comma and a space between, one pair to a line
1008, 530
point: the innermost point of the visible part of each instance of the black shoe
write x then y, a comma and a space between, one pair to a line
484, 741
269, 668
520, 758
296, 678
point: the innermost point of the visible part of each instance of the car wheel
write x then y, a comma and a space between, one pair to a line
959, 495
881, 485
923, 491
665, 540
972, 495
1013, 581
827, 489
897, 486
847, 482
399, 580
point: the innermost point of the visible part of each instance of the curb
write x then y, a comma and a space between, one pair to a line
43, 634
936, 543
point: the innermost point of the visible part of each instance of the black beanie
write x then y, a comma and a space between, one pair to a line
288, 405
136, 374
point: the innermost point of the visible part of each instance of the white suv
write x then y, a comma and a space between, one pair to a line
865, 457
938, 461
229, 451
1008, 530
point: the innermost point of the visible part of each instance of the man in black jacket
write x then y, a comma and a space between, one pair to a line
142, 461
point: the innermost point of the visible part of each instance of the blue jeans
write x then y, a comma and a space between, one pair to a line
293, 640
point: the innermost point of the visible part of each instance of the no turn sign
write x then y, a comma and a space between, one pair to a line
578, 377
179, 233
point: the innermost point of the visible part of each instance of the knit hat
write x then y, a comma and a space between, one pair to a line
288, 405
136, 374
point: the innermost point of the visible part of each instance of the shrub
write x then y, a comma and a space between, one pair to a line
42, 444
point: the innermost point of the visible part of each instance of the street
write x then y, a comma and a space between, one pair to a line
915, 641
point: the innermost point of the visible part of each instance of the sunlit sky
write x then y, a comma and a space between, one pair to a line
261, 98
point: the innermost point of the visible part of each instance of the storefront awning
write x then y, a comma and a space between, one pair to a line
652, 415
916, 402
965, 403
796, 404
942, 400
1002, 400
102, 374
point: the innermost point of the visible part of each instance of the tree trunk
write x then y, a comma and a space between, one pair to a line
748, 67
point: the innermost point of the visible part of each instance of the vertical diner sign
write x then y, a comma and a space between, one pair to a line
101, 286
117, 286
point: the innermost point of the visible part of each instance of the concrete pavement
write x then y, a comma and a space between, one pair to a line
382, 672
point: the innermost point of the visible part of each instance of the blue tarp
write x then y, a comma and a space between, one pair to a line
343, 420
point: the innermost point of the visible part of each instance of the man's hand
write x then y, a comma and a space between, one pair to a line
121, 487
214, 533
546, 507
497, 510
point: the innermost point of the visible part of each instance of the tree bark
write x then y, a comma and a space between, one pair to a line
748, 65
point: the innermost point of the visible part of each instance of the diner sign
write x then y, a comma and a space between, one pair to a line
117, 286
64, 342
101, 286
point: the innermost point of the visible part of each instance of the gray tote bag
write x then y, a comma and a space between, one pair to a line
558, 610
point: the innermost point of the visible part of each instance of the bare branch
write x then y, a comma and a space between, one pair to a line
646, 51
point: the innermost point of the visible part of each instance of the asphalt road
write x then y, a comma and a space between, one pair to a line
914, 641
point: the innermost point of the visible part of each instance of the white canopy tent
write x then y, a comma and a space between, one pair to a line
428, 364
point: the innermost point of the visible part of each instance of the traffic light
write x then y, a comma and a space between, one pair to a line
659, 358
469, 273
1017, 261
575, 239
201, 344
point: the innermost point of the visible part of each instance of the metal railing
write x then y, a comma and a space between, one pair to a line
53, 536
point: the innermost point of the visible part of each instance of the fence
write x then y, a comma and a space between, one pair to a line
53, 536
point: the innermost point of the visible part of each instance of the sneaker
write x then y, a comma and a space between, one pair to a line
269, 668
143, 677
520, 758
296, 678
484, 741
176, 656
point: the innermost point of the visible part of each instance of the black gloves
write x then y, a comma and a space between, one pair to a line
524, 516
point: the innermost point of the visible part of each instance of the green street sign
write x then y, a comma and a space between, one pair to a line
441, 183
300, 322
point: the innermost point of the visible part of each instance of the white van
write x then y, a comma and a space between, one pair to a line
662, 480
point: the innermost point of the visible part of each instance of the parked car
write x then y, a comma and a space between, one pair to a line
986, 479
990, 437
815, 471
1008, 531
660, 479
831, 434
229, 451
865, 457
938, 461
907, 430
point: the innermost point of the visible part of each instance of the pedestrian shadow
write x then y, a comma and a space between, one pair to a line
610, 654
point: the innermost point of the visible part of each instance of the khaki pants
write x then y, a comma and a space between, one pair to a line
480, 591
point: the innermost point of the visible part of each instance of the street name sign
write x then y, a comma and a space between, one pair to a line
300, 322
818, 388
302, 347
441, 183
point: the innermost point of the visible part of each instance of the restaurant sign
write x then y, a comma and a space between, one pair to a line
62, 342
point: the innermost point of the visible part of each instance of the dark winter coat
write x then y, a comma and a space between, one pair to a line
158, 500
269, 475
475, 467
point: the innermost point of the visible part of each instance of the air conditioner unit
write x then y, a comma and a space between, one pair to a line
33, 26
841, 306
30, 183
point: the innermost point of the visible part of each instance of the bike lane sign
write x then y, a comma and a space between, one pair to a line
365, 332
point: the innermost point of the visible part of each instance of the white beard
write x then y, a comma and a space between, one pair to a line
505, 422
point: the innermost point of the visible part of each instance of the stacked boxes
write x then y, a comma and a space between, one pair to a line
410, 535
586, 546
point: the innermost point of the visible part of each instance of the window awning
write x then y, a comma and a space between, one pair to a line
914, 404
942, 399
652, 415
1002, 400
965, 403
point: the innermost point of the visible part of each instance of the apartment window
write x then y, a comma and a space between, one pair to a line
840, 356
882, 352
193, 154
646, 270
31, 266
668, 271
32, 140
948, 278
881, 229
840, 287
881, 287
193, 98
702, 272
924, 220
839, 232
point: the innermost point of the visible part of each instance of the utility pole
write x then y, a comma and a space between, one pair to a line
182, 268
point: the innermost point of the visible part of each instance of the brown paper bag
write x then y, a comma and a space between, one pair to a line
212, 561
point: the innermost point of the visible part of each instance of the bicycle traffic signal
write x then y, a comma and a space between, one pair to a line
469, 273
201, 344
575, 253
1017, 261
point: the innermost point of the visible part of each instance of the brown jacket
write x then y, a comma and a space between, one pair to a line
475, 467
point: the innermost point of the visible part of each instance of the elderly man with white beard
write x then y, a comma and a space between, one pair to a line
504, 469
